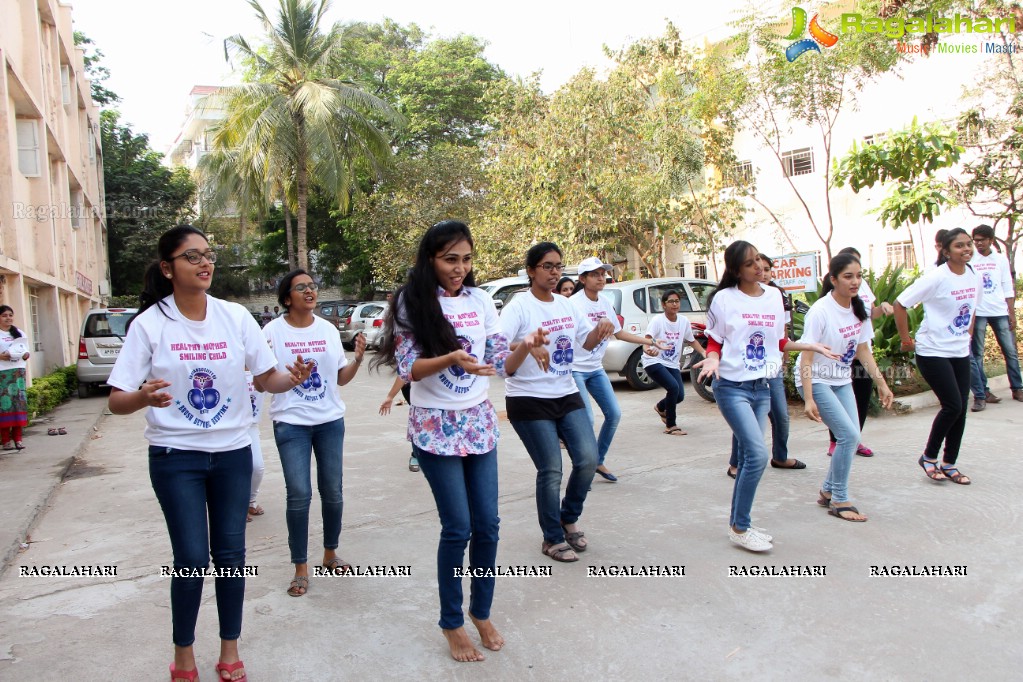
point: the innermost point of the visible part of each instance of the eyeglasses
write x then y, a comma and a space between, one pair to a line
560, 267
304, 286
673, 301
195, 257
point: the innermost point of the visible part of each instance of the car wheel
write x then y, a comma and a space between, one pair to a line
635, 375
705, 391
83, 389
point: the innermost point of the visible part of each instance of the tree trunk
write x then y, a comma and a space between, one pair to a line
288, 236
302, 187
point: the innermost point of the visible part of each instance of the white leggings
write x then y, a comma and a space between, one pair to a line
257, 464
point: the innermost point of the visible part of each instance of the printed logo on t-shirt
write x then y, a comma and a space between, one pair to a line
669, 353
850, 352
456, 379
562, 356
961, 322
755, 352
466, 344
312, 389
252, 401
989, 284
203, 397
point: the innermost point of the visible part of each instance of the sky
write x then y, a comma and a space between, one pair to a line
156, 51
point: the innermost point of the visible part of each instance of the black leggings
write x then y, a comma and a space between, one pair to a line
949, 378
863, 387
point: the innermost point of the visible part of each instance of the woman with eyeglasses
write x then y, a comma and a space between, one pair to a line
188, 351
309, 421
669, 329
543, 401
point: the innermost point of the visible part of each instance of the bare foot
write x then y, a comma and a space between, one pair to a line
461, 647
489, 635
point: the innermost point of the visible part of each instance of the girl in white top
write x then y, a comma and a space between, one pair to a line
838, 320
183, 361
543, 400
950, 294
308, 420
13, 354
587, 368
668, 331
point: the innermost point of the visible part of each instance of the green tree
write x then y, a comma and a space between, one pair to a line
98, 74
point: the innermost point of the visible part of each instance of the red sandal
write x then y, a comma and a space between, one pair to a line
190, 675
230, 668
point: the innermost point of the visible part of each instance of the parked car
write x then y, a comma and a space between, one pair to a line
636, 303
367, 318
99, 344
501, 289
334, 311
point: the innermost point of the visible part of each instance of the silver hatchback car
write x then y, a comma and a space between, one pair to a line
637, 302
99, 344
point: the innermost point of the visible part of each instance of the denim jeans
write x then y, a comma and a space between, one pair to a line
540, 437
204, 497
837, 407
670, 379
465, 490
597, 384
949, 378
296, 445
779, 418
1006, 341
744, 405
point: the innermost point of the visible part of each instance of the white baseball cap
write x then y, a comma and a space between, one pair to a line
593, 263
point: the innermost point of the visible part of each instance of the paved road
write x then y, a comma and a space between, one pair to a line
670, 508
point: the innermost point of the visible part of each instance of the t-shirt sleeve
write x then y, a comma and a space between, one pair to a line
716, 320
583, 325
814, 325
135, 361
655, 330
867, 332
921, 289
611, 314
687, 330
512, 321
491, 320
258, 356
1008, 289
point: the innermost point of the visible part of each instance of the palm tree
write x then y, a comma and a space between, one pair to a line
296, 125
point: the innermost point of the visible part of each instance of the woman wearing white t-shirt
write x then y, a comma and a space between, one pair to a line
543, 401
746, 337
838, 320
587, 367
189, 350
668, 331
14, 403
446, 341
309, 420
950, 294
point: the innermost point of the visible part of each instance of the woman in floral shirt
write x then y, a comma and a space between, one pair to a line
442, 334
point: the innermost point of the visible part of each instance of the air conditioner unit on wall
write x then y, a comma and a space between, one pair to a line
104, 288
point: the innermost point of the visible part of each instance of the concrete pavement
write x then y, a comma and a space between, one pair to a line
669, 508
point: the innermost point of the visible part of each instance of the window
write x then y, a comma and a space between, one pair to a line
28, 147
33, 304
741, 174
75, 205
700, 269
92, 146
901, 253
797, 161
702, 292
681, 269
656, 292
873, 139
65, 83
639, 298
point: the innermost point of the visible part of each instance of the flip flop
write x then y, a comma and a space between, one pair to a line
837, 513
62, 431
675, 431
299, 582
337, 566
662, 414
230, 668
51, 432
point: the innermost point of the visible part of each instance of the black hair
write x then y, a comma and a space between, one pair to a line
670, 292
284, 288
419, 310
735, 256
15, 332
850, 250
946, 243
766, 259
561, 282
536, 254
984, 231
155, 285
836, 267
939, 238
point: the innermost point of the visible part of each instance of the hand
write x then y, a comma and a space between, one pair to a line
810, 410
707, 367
360, 346
535, 339
661, 344
605, 328
470, 364
1012, 323
652, 351
5, 356
908, 345
25, 356
885, 395
825, 351
542, 357
385, 407
300, 370
886, 308
153, 396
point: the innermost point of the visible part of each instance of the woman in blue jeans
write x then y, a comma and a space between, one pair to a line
190, 350
669, 331
543, 401
746, 337
310, 420
839, 320
445, 339
587, 367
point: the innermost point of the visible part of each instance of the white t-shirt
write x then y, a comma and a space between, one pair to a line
749, 329
591, 360
997, 282
566, 333
205, 364
474, 316
256, 399
839, 329
867, 296
17, 347
950, 301
317, 399
675, 333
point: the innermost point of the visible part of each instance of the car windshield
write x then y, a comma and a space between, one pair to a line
702, 291
107, 324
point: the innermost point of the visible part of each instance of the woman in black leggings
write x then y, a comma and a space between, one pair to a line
949, 295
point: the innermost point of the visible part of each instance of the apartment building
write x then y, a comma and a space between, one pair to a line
53, 240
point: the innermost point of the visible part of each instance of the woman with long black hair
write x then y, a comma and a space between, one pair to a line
442, 335
949, 294
746, 337
190, 350
13, 399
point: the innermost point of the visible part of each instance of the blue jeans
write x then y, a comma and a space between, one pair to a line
744, 405
837, 407
540, 437
296, 445
465, 490
1006, 341
670, 379
597, 384
779, 418
204, 497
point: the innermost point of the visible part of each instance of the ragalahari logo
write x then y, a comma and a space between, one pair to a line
818, 36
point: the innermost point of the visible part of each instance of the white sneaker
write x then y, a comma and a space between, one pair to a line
751, 540
762, 532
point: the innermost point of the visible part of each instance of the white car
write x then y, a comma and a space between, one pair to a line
99, 344
367, 318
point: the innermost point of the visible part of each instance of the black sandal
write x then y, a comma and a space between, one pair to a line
795, 465
953, 474
576, 540
837, 513
932, 469
823, 501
